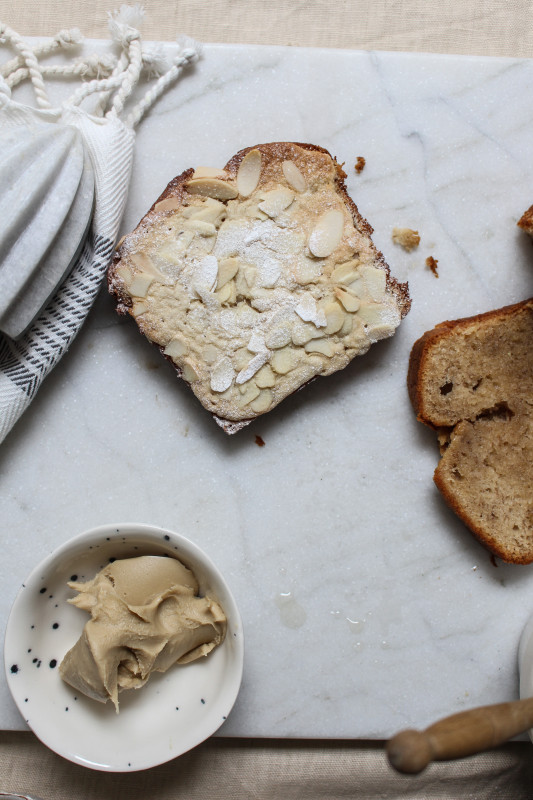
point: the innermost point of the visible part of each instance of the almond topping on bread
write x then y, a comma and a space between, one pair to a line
472, 381
256, 278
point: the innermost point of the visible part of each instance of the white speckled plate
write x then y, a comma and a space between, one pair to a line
171, 714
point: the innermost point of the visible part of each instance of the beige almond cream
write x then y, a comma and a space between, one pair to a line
146, 616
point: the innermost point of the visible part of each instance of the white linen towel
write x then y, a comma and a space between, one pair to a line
109, 139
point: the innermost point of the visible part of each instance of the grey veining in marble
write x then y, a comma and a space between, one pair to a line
367, 606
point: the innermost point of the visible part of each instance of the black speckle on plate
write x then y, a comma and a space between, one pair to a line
14, 669
167, 537
43, 590
53, 663
73, 577
202, 701
55, 626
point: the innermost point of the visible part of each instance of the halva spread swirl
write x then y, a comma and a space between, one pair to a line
146, 615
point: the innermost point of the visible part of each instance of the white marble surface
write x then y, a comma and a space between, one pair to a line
366, 605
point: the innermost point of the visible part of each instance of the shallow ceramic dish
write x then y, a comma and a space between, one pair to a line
172, 713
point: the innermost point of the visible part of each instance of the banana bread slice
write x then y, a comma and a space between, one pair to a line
472, 381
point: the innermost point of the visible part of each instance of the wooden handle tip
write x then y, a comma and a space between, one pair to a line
409, 752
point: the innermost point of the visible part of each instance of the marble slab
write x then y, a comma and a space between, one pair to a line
367, 606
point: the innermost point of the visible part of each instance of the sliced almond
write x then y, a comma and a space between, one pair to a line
265, 378
306, 270
349, 300
243, 288
347, 325
224, 294
124, 273
327, 233
373, 313
262, 403
212, 187
375, 282
253, 211
209, 172
253, 366
322, 346
308, 310
382, 331
176, 348
283, 360
206, 273
189, 372
256, 343
209, 213
241, 358
249, 393
250, 274
172, 252
168, 204
144, 263
280, 336
208, 244
276, 201
249, 173
346, 273
293, 176
334, 317
140, 283
227, 269
303, 332
199, 226
138, 308
222, 375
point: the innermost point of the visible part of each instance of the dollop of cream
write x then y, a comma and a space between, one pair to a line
146, 615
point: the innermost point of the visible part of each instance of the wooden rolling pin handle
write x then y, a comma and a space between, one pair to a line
460, 735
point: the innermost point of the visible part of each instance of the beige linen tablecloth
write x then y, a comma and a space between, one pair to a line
238, 769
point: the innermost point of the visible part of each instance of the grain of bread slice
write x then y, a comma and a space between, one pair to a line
472, 381
256, 278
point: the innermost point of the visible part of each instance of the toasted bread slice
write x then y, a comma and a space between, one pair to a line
256, 278
472, 381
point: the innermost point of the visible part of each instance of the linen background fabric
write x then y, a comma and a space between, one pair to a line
261, 770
